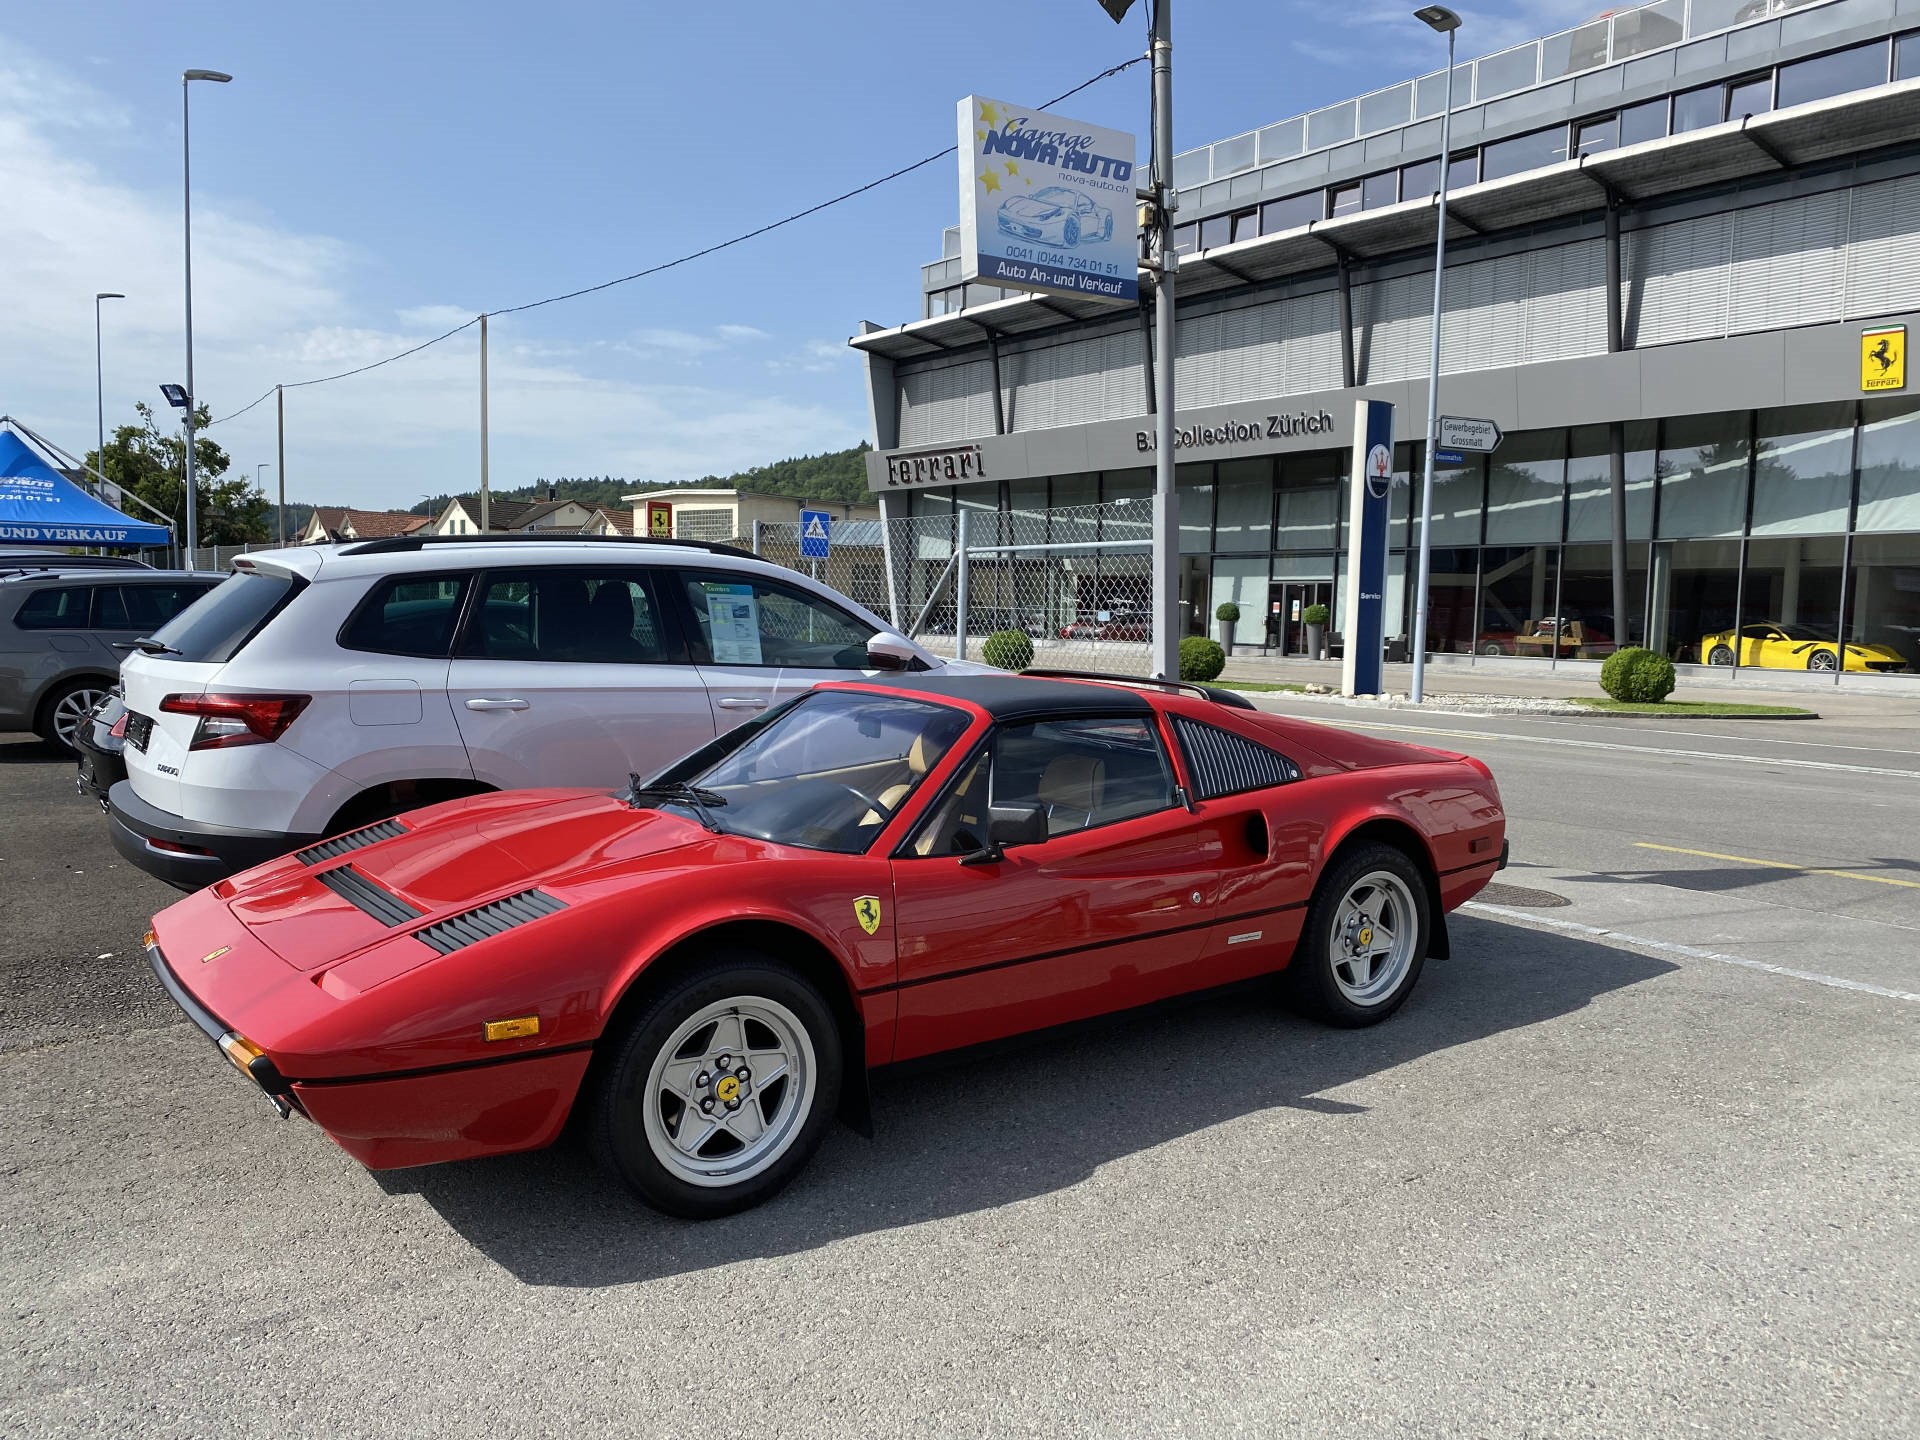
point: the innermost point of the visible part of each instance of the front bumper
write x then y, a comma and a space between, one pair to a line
188, 854
259, 1069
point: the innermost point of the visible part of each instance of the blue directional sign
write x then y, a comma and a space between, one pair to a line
1449, 457
816, 534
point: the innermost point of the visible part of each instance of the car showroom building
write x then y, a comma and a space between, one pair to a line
1676, 234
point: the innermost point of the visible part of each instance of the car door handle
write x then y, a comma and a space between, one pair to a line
487, 703
741, 702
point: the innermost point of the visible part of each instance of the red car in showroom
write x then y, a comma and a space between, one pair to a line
708, 963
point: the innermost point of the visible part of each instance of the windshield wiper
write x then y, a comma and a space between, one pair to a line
147, 645
701, 802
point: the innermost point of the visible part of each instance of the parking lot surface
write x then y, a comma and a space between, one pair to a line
1638, 1159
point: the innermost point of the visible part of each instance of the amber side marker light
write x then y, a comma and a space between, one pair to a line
149, 940
240, 1050
513, 1029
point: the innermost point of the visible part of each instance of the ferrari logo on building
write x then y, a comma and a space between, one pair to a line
867, 911
659, 520
1883, 359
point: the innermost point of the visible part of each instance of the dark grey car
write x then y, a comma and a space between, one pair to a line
57, 639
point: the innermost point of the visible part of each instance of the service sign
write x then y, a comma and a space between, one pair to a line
1046, 203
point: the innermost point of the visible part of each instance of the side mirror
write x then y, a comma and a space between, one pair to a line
1009, 825
888, 651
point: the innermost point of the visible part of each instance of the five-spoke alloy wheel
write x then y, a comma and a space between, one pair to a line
1366, 937
720, 1089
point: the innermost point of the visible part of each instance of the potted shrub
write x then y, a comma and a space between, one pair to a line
1315, 618
1228, 614
1008, 650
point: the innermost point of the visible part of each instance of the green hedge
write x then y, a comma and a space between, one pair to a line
1008, 650
1637, 676
1201, 658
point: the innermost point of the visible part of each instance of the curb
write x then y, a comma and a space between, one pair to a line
1570, 713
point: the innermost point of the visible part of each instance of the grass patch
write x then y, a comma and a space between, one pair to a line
1699, 709
1286, 686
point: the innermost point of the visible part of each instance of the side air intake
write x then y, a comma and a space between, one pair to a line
353, 840
486, 921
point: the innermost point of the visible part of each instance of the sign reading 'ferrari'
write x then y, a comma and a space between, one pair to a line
1046, 203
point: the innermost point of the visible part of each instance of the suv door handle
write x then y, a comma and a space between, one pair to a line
741, 702
486, 703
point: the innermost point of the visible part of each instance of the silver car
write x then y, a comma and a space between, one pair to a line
63, 634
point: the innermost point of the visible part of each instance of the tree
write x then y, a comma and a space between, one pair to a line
146, 461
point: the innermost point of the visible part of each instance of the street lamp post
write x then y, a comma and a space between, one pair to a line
1445, 21
99, 380
186, 212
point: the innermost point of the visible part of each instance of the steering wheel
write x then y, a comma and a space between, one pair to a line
872, 804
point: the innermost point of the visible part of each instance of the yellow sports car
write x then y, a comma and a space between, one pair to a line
1778, 646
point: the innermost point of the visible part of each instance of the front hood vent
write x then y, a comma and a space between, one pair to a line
353, 840
361, 893
486, 921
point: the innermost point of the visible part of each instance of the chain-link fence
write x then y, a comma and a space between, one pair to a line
1075, 582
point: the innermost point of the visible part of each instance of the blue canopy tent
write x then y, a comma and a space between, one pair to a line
40, 506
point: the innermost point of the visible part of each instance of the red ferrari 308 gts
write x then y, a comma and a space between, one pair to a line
709, 962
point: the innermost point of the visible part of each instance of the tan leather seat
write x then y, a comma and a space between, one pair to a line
917, 765
1071, 788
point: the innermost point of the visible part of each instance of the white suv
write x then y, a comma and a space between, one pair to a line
323, 688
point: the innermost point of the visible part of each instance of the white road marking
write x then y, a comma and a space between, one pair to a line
1690, 952
1568, 744
1709, 735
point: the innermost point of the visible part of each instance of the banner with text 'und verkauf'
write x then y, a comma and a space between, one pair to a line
1046, 203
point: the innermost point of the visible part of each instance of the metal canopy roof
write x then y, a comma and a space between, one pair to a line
1804, 135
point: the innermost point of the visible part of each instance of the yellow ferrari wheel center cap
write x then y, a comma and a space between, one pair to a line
1366, 935
728, 1089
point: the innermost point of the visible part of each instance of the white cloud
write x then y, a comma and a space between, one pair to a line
273, 304
816, 357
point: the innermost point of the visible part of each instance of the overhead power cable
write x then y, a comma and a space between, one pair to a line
664, 265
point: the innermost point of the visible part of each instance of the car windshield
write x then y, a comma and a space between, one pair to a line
1054, 195
825, 773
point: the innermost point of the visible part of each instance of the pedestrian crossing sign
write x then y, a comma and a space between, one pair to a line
816, 534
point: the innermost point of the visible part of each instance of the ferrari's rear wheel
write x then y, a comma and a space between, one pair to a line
1720, 655
1365, 938
721, 1089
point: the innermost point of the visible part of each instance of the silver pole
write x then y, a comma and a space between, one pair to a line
1433, 399
280, 470
1166, 504
186, 212
486, 517
960, 596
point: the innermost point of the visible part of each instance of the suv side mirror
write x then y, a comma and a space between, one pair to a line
888, 651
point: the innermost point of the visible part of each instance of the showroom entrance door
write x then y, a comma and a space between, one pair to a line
1287, 602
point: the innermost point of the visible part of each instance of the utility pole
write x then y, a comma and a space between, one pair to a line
1166, 505
485, 513
280, 470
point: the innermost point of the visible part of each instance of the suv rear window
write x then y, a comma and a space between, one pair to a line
142, 607
408, 615
219, 623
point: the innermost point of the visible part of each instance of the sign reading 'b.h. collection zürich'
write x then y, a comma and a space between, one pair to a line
1046, 203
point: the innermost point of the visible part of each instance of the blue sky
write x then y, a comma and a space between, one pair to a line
379, 172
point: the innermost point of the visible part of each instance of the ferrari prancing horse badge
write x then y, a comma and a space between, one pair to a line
867, 911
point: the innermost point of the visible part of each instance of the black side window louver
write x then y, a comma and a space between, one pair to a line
353, 840
488, 920
361, 893
1227, 764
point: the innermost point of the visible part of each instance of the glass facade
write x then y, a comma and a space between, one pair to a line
1803, 521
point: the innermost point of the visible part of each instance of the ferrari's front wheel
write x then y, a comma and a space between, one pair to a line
1365, 938
721, 1088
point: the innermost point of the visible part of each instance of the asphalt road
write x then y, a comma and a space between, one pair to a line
1638, 1160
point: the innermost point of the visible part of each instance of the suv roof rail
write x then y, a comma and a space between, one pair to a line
1229, 698
397, 544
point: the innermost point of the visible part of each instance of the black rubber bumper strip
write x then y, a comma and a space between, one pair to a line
210, 1025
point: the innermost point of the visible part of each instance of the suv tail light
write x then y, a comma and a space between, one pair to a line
228, 720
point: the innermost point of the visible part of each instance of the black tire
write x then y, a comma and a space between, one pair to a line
1720, 655
617, 1123
1312, 985
53, 711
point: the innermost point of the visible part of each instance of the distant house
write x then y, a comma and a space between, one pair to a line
723, 513
327, 526
567, 517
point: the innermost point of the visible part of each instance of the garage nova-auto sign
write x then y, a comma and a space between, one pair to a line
1046, 203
